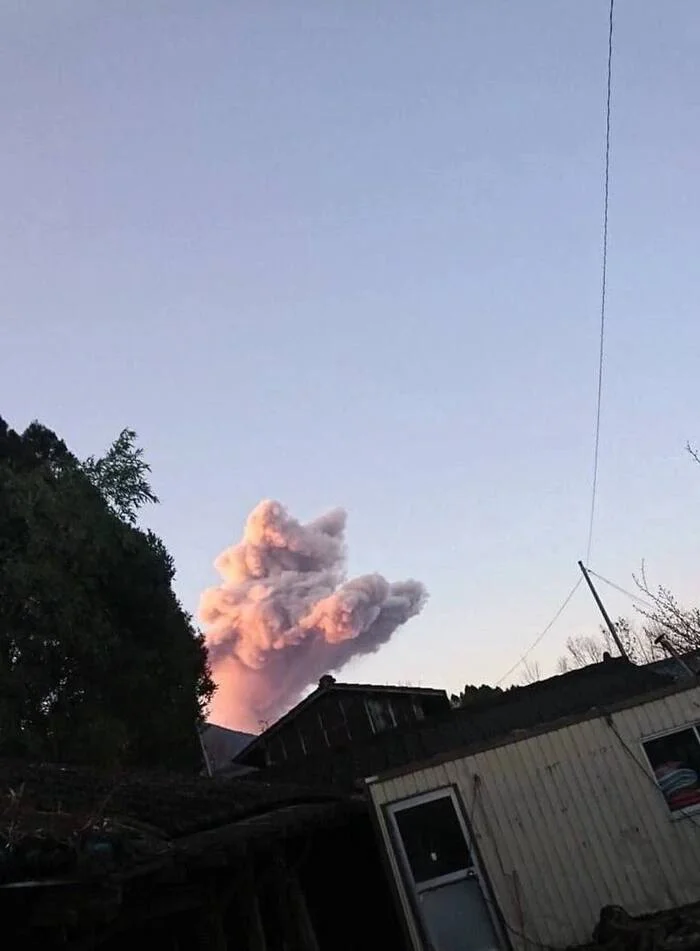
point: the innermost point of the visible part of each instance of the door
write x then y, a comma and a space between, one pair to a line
439, 867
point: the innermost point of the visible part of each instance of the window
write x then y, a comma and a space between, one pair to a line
276, 751
381, 715
432, 839
334, 724
675, 761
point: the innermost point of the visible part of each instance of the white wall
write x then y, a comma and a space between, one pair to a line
569, 821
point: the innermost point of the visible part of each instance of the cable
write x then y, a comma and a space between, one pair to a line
669, 625
632, 597
601, 353
497, 911
642, 767
542, 633
603, 289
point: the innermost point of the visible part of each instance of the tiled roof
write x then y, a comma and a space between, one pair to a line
485, 723
326, 685
386, 688
672, 668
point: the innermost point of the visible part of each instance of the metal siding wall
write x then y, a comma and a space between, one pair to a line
569, 821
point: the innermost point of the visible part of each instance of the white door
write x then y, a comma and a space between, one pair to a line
440, 869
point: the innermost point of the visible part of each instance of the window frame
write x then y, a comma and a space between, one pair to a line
400, 805
685, 811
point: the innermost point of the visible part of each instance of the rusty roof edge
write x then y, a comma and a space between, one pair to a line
516, 736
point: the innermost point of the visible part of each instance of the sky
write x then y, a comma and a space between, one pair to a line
349, 254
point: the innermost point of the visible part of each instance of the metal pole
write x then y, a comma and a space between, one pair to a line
601, 608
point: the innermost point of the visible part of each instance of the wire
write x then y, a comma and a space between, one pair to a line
542, 633
601, 352
658, 618
497, 911
642, 767
632, 597
603, 288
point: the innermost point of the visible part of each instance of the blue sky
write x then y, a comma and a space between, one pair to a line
349, 254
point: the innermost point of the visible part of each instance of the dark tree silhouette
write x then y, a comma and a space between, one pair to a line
98, 661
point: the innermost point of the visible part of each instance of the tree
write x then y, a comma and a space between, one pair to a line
98, 661
531, 672
661, 615
474, 695
585, 649
664, 616
121, 476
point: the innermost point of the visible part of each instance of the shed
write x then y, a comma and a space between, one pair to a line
522, 834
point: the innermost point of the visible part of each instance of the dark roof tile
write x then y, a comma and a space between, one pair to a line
487, 721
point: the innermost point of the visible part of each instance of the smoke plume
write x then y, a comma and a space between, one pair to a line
284, 614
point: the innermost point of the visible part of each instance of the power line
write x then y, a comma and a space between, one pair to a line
542, 633
629, 594
630, 752
603, 288
658, 618
601, 352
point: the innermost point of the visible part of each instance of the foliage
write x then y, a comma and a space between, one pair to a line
585, 649
98, 661
474, 695
661, 616
120, 476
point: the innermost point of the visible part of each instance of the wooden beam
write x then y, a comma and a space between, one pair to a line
298, 925
248, 906
299, 910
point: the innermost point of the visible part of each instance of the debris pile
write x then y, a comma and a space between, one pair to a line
675, 930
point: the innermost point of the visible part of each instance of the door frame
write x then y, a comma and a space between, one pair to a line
475, 870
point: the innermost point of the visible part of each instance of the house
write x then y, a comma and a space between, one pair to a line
90, 860
335, 717
444, 729
531, 812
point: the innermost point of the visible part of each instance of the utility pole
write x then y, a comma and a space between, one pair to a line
601, 608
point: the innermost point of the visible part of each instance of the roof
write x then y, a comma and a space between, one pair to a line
672, 668
170, 805
222, 744
488, 722
55, 814
327, 685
